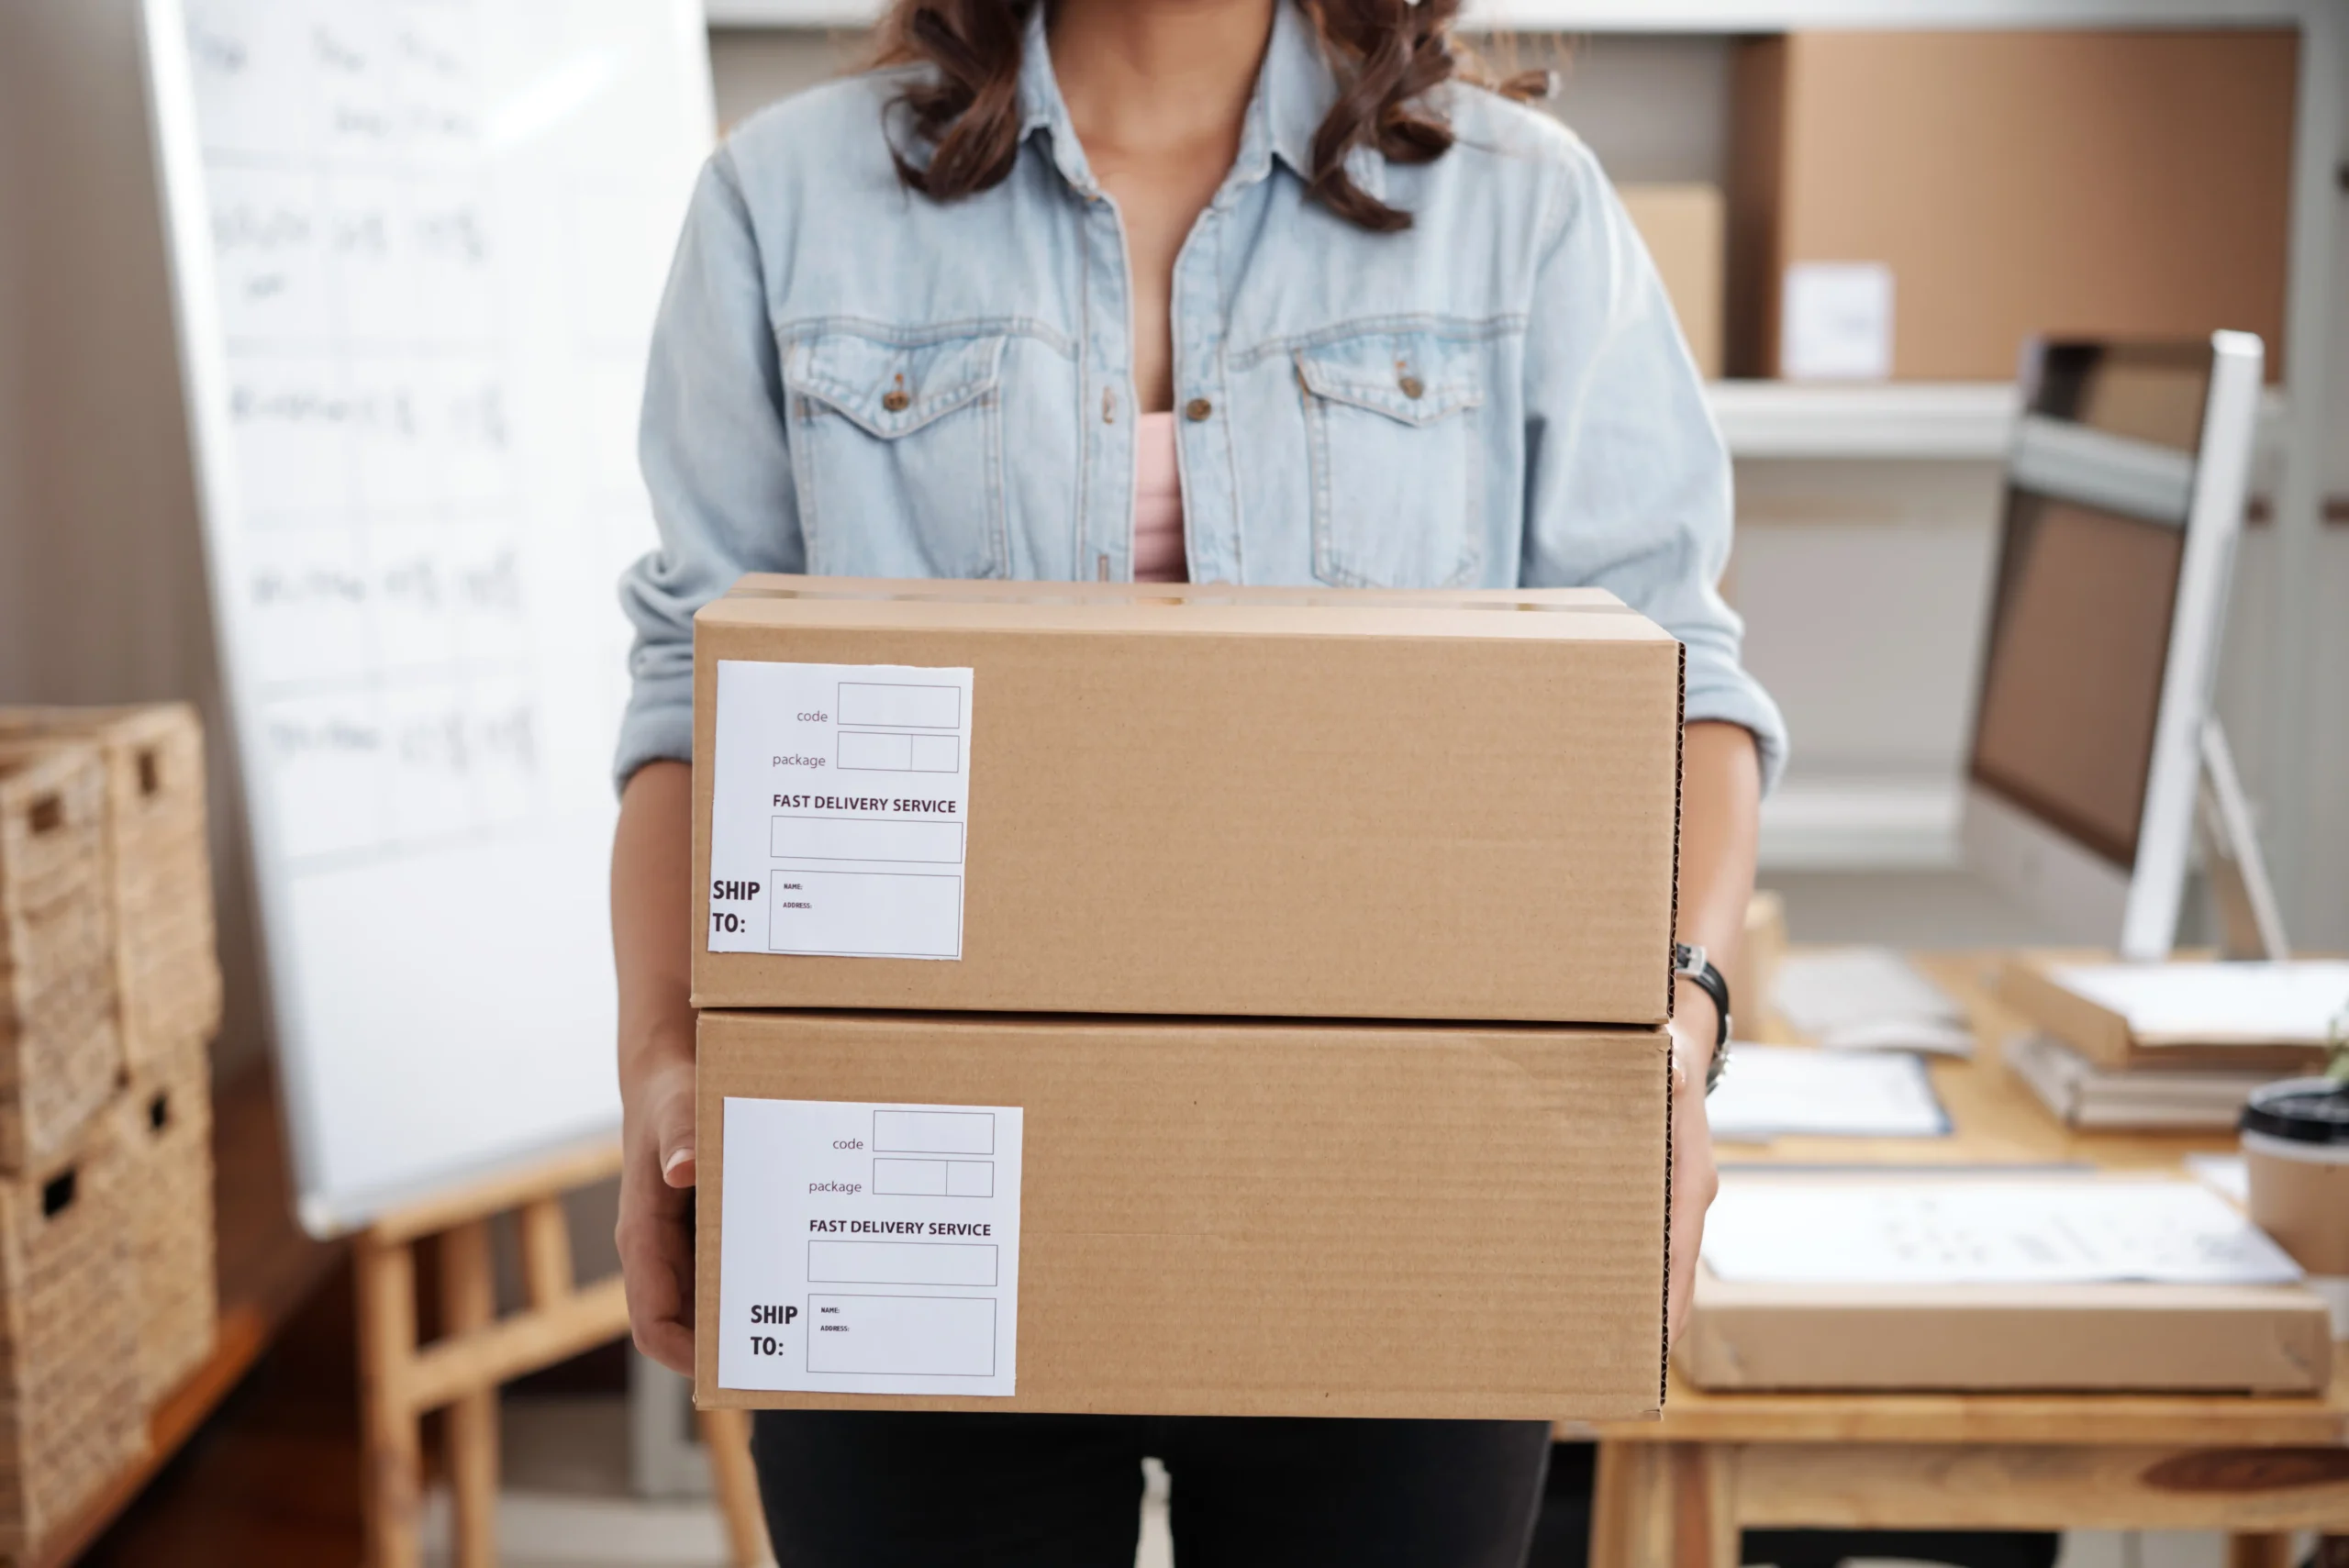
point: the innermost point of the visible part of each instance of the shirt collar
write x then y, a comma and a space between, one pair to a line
1294, 91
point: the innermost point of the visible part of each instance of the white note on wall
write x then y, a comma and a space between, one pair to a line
1836, 321
1894, 1230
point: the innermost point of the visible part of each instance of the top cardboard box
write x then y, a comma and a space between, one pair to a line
1204, 801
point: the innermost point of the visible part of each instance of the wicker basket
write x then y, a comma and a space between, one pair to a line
69, 1415
164, 1127
61, 1050
159, 865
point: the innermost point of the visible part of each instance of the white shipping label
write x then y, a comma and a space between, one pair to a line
841, 809
870, 1249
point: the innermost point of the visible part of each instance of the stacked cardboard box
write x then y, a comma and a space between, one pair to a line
1184, 1000
111, 995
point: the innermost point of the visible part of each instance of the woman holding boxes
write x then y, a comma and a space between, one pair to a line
1256, 291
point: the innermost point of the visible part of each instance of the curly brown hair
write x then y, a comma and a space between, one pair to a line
1386, 54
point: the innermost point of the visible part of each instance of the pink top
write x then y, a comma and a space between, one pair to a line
1158, 504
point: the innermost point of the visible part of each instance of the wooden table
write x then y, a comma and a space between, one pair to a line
1679, 1491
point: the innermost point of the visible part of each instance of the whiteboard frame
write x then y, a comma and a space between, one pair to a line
175, 134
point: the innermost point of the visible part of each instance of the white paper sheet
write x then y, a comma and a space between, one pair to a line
1893, 1229
840, 810
2225, 1175
1868, 999
870, 1249
2216, 1002
1771, 1091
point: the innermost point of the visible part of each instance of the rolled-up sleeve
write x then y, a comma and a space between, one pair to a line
1628, 482
715, 458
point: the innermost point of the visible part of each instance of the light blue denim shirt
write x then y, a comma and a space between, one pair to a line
848, 378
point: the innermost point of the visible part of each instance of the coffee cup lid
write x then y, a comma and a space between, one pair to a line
2303, 1110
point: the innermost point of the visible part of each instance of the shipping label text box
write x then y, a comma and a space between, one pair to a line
888, 706
901, 1263
800, 837
933, 1178
933, 1132
902, 1336
864, 914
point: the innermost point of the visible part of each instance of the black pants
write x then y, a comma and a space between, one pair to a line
874, 1489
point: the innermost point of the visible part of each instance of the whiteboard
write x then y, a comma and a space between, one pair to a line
416, 248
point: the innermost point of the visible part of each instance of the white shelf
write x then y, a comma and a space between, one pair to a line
1861, 824
1781, 419
1701, 15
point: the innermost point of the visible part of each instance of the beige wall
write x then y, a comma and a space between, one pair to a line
102, 592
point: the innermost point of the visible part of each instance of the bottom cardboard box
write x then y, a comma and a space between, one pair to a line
2078, 1337
1180, 1217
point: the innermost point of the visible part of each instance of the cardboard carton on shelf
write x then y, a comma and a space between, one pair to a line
2124, 1337
1181, 1216
1685, 227
1207, 801
1916, 204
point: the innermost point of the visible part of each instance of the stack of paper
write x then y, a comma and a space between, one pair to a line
2216, 1004
1772, 1091
1868, 999
1984, 1229
2083, 1094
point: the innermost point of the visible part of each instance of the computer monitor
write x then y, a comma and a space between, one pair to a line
2092, 730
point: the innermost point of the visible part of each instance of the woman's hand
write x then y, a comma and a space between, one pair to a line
1693, 1178
652, 924
655, 1230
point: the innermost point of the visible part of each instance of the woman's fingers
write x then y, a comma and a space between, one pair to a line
655, 1233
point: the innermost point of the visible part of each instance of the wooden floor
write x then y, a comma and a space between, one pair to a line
272, 1480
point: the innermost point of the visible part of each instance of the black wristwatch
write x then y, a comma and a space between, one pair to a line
1689, 963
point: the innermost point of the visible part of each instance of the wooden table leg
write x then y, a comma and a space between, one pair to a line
726, 1438
2333, 1552
2259, 1551
469, 1302
1631, 1507
1704, 1506
391, 1447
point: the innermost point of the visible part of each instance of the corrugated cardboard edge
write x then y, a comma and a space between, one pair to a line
1816, 1327
1671, 994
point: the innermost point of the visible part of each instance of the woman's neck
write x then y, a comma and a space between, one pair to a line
1141, 76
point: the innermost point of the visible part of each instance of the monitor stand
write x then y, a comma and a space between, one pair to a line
2251, 926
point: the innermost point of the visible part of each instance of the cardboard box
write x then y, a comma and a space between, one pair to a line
2114, 1338
2105, 1038
1199, 801
1226, 1219
2126, 183
1686, 230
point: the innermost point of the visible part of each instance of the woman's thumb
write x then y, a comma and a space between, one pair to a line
677, 1141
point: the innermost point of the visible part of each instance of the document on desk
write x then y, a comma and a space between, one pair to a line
870, 1249
1775, 1091
1868, 999
2291, 1003
1888, 1228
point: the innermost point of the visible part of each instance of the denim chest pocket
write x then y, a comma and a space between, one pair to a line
897, 453
1398, 473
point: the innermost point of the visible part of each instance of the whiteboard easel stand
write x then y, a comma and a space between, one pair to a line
401, 1381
